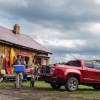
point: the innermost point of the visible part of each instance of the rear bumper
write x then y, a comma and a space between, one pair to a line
53, 79
48, 78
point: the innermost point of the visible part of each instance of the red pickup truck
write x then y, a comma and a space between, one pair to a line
73, 73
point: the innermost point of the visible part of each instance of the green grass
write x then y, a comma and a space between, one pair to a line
38, 84
83, 92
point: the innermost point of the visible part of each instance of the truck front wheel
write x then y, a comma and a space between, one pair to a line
72, 84
55, 85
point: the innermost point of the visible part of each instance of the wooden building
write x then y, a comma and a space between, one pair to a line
13, 43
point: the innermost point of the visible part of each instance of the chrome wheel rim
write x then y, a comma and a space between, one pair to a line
72, 84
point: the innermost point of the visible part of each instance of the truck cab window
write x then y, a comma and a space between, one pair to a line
74, 63
97, 66
89, 64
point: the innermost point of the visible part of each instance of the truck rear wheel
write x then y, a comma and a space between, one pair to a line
96, 87
55, 85
72, 84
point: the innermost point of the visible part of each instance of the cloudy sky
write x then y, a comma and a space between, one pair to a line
69, 28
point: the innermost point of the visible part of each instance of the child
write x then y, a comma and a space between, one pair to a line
32, 78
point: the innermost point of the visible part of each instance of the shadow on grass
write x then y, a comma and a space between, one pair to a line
49, 89
87, 89
63, 89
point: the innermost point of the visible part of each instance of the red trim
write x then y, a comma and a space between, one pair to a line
24, 53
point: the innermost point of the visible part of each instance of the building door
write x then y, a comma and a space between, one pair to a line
27, 61
38, 61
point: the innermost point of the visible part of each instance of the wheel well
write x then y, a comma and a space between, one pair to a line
73, 75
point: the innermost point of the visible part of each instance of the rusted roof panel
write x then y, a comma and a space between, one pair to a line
22, 39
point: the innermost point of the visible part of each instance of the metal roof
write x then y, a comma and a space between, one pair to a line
21, 40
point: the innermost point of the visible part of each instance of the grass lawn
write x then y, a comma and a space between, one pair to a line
43, 90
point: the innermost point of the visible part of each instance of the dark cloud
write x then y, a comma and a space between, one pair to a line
69, 12
89, 48
50, 20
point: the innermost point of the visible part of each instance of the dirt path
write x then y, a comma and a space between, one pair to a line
10, 93
5, 97
28, 93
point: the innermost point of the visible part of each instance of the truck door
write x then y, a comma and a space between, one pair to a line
97, 72
88, 72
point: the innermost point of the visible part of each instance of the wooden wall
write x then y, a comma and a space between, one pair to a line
5, 52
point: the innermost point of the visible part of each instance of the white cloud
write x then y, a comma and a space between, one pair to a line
56, 3
72, 24
97, 1
80, 56
22, 3
64, 43
93, 28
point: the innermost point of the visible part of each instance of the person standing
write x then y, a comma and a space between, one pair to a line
32, 74
23, 62
25, 74
32, 78
19, 75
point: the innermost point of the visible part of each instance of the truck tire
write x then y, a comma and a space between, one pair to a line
96, 87
72, 84
55, 85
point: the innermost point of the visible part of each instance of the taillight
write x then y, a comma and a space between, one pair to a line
52, 71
